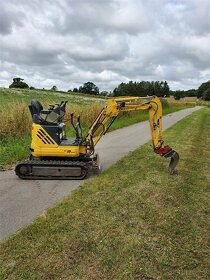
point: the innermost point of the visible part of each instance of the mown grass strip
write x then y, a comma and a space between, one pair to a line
134, 221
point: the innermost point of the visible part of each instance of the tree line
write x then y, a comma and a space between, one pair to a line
143, 88
203, 92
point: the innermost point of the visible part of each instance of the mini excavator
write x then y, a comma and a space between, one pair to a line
54, 156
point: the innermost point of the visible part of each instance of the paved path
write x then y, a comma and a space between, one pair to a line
22, 200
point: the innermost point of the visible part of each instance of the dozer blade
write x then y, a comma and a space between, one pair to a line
173, 162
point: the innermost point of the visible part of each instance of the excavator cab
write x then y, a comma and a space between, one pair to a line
52, 119
54, 114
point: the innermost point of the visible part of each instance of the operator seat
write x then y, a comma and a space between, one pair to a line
35, 107
51, 120
39, 115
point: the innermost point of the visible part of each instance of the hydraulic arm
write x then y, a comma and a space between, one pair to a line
115, 106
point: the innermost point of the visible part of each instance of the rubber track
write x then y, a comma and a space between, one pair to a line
51, 163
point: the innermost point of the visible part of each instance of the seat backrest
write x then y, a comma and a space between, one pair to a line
35, 107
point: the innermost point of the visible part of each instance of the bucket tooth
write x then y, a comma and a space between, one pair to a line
173, 162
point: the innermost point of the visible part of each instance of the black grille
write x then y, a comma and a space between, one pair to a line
44, 137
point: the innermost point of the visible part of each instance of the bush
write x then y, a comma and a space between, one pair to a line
206, 95
18, 83
164, 103
202, 88
54, 88
89, 88
178, 94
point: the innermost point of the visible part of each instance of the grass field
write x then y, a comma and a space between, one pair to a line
19, 96
16, 121
134, 221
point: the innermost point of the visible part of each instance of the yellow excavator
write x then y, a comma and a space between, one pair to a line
54, 156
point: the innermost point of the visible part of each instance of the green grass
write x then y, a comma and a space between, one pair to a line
134, 221
14, 149
8, 96
16, 121
127, 118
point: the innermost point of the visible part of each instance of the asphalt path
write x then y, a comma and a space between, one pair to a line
22, 200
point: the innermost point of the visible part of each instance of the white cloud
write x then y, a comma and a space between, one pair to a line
68, 42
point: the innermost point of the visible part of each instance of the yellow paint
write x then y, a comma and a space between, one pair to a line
43, 145
41, 149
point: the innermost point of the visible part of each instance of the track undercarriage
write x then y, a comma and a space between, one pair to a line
57, 169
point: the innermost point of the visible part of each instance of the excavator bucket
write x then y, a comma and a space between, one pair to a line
173, 162
167, 152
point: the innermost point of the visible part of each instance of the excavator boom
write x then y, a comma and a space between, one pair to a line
115, 106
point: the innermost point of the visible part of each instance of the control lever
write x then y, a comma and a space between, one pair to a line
51, 107
63, 106
75, 127
78, 126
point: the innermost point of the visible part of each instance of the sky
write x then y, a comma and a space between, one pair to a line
69, 42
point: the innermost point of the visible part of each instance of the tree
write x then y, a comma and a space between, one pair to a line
178, 94
143, 88
54, 88
90, 88
206, 94
18, 83
104, 93
202, 88
75, 90
166, 89
184, 93
191, 92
